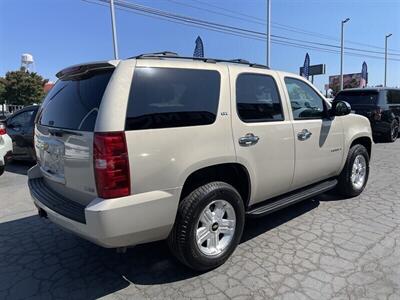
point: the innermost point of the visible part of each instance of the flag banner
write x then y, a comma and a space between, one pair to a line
364, 75
199, 49
306, 66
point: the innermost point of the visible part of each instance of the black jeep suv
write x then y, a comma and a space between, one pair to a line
380, 105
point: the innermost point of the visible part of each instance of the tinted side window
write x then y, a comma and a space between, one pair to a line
306, 103
257, 98
22, 119
393, 97
167, 97
358, 97
74, 103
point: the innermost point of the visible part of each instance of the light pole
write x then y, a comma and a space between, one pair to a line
114, 30
341, 53
268, 33
386, 38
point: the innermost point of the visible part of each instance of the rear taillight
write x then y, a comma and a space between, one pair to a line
111, 165
3, 129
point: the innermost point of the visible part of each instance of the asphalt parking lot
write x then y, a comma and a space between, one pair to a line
323, 248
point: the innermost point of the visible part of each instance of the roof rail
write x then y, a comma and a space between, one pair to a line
168, 54
157, 54
258, 66
240, 61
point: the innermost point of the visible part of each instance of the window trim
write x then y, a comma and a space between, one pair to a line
325, 112
277, 91
173, 68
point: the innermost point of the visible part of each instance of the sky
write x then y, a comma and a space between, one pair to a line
59, 33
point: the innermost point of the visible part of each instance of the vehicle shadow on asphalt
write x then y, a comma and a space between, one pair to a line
258, 226
19, 167
39, 259
331, 196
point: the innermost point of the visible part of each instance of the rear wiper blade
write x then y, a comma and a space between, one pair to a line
60, 132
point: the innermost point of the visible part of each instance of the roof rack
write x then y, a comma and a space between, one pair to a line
169, 54
240, 61
157, 54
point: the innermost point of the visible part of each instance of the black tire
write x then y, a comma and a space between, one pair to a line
393, 132
182, 239
2, 168
345, 186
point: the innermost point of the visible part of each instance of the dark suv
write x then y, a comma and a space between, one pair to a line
20, 127
380, 105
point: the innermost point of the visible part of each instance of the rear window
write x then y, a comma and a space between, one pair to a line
393, 96
359, 98
74, 104
167, 97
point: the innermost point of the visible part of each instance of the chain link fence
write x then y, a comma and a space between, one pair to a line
10, 108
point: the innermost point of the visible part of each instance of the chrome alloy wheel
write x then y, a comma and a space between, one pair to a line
394, 131
359, 172
215, 227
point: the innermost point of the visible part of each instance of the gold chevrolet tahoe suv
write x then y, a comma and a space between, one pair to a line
160, 146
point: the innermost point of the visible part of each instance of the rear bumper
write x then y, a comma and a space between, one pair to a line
5, 149
6, 158
117, 222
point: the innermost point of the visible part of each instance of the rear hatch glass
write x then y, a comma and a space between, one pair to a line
74, 103
359, 98
361, 102
64, 133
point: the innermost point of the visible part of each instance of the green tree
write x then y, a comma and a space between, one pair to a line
24, 88
2, 90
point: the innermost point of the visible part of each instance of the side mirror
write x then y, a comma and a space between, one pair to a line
340, 108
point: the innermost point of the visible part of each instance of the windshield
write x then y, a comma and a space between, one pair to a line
359, 98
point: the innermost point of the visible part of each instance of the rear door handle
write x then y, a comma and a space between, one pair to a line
304, 135
248, 140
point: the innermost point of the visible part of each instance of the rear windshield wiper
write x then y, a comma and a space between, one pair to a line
60, 132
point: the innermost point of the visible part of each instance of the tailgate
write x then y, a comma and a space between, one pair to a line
66, 162
64, 132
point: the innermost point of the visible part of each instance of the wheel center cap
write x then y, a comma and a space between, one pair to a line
214, 226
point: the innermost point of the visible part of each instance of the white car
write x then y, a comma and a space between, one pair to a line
167, 147
5, 148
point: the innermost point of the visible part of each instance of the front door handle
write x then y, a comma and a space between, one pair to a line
248, 140
304, 135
